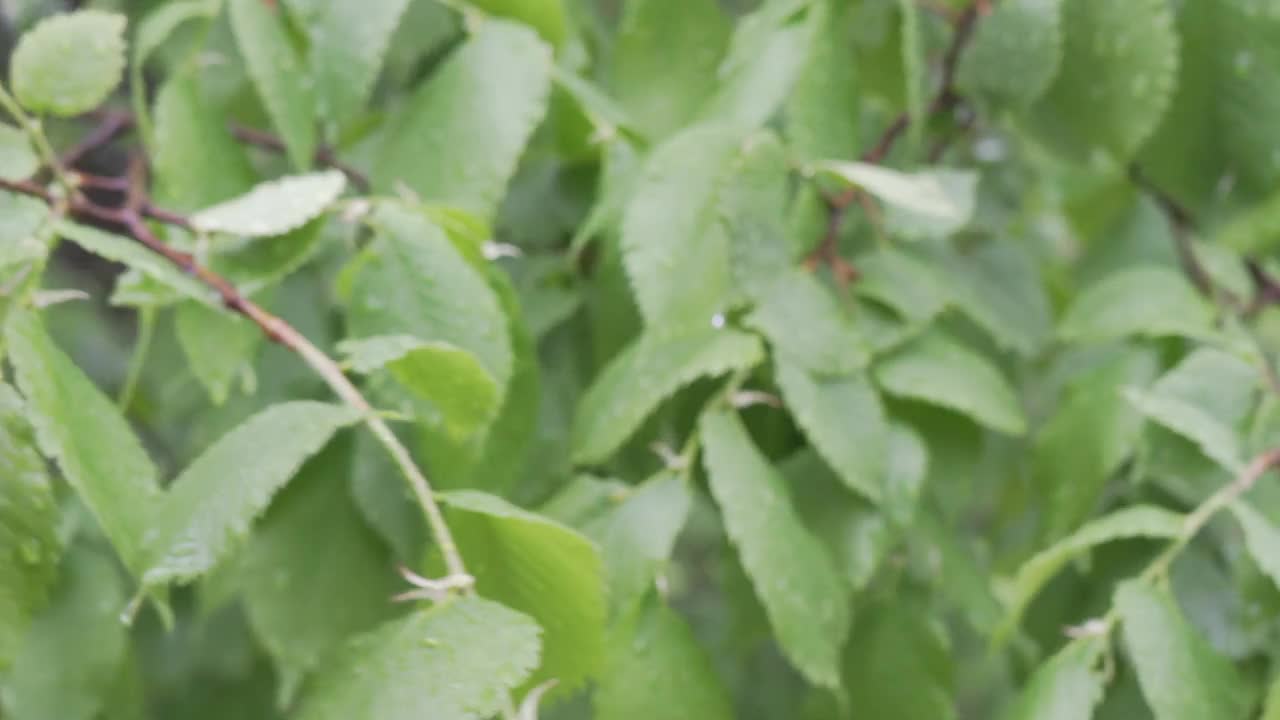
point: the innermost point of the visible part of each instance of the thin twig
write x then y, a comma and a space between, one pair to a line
130, 217
944, 100
324, 154
110, 125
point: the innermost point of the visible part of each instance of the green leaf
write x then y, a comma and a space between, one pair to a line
1271, 711
459, 659
656, 670
637, 537
793, 576
472, 118
347, 44
210, 506
548, 17
1143, 301
612, 410
937, 370
1181, 675
29, 543
155, 28
136, 256
753, 210
24, 224
1120, 61
1137, 521
278, 76
898, 664
17, 158
913, 70
1217, 441
909, 286
999, 286
766, 54
1261, 537
541, 568
1015, 52
1066, 687
1088, 438
219, 346
451, 379
413, 281
822, 113
928, 203
274, 207
71, 655
665, 61
68, 64
197, 162
844, 419
675, 250
344, 572
807, 327
78, 426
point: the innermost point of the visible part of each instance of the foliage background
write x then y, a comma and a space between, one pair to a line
795, 358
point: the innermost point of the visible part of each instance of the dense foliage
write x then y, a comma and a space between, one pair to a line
871, 359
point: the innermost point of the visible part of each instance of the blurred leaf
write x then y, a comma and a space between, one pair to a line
1143, 301
276, 71
792, 574
69, 63
196, 160
898, 664
1015, 52
1180, 673
460, 659
1261, 538
77, 425
822, 111
219, 346
1066, 687
274, 207
133, 254
998, 286
17, 158
925, 203
807, 327
548, 17
539, 567
208, 510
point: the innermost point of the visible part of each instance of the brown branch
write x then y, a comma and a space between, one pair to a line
111, 124
945, 100
324, 155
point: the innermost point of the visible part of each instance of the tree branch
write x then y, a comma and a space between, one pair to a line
324, 155
131, 216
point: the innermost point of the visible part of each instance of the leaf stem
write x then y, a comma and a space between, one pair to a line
36, 134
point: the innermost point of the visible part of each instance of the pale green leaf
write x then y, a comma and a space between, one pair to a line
1015, 52
80, 427
197, 162
1144, 301
1261, 537
1137, 521
345, 572
69, 63
906, 467
1271, 711
792, 574
219, 346
910, 286
753, 210
844, 419
655, 670
898, 664
1182, 676
72, 652
17, 158
459, 659
278, 76
675, 250
766, 54
548, 17
209, 508
913, 70
1088, 438
1066, 687
136, 256
541, 568
451, 379
612, 410
459, 138
160, 24
385, 501
24, 224
937, 370
923, 203
274, 207
806, 325
29, 543
413, 281
821, 116
1217, 441
1120, 61
347, 43
637, 537
999, 286
666, 59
